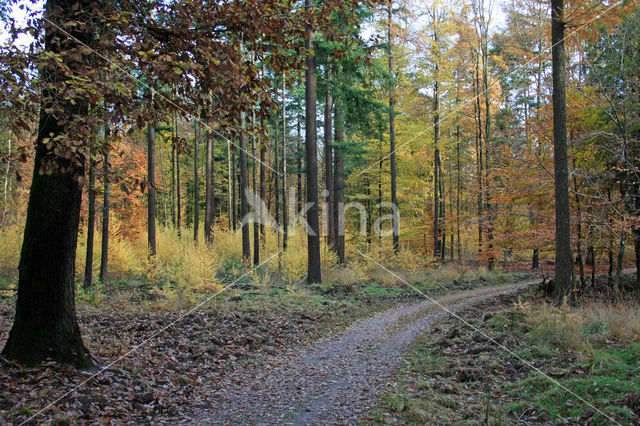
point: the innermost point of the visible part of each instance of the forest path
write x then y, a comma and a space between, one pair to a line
335, 379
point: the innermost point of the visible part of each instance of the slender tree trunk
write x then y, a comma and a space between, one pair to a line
106, 209
487, 146
392, 130
479, 155
436, 165
328, 159
229, 188
263, 151
339, 186
564, 265
299, 165
7, 178
285, 206
151, 193
178, 191
255, 190
196, 184
173, 181
91, 224
314, 274
458, 177
244, 205
45, 324
579, 230
233, 179
209, 202
379, 200
276, 172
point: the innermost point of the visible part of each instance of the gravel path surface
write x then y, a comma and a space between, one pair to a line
335, 379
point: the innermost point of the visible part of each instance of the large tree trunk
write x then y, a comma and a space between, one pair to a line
151, 194
564, 264
45, 324
244, 205
314, 274
339, 187
91, 225
392, 129
328, 159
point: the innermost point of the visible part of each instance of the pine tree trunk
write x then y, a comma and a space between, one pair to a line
151, 190
45, 324
564, 264
91, 225
314, 274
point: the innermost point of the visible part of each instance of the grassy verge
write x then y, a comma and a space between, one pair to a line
455, 375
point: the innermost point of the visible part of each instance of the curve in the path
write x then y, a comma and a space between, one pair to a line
337, 378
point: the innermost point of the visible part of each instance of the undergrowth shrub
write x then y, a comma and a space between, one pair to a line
10, 244
594, 324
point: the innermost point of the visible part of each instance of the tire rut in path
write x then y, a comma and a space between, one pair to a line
336, 379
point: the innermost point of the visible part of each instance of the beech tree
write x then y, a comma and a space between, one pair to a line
45, 324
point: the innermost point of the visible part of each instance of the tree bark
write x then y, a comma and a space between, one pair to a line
151, 193
314, 273
564, 264
45, 324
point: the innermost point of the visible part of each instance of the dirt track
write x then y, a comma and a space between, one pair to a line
335, 379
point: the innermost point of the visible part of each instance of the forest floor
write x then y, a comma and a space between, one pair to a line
200, 363
336, 379
587, 357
